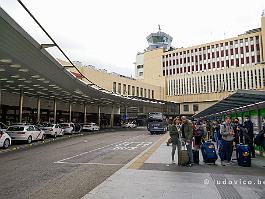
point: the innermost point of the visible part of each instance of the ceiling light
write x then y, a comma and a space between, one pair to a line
22, 79
31, 89
41, 79
52, 85
3, 79
10, 81
46, 82
28, 81
2, 69
36, 85
5, 60
35, 76
15, 76
23, 70
20, 85
15, 66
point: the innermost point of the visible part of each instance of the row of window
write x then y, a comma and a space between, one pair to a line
186, 108
132, 90
213, 58
222, 46
218, 64
230, 81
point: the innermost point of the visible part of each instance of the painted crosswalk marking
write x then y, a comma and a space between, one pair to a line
131, 145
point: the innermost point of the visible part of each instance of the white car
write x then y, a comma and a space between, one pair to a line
90, 127
5, 140
26, 133
52, 130
129, 125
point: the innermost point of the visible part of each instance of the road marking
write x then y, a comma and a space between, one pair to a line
131, 145
96, 149
88, 163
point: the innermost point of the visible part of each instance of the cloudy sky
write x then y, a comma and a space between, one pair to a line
109, 33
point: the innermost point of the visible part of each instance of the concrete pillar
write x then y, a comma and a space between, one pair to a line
126, 114
21, 98
112, 117
38, 109
99, 115
70, 111
1, 101
85, 113
54, 110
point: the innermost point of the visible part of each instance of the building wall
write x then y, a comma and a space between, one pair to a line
118, 84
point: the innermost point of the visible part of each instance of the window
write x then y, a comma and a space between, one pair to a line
153, 94
124, 89
186, 107
137, 91
119, 88
141, 73
149, 93
195, 107
133, 91
140, 66
141, 92
114, 88
129, 89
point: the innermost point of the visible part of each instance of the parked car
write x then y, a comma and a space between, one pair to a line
90, 127
26, 133
129, 125
52, 129
70, 128
5, 139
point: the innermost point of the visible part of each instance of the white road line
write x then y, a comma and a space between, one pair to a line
97, 149
89, 163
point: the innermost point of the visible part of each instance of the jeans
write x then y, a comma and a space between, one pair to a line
174, 146
189, 148
226, 150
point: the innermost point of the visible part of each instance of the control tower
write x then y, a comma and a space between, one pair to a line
159, 40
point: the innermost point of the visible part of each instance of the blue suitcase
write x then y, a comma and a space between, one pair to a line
208, 152
243, 155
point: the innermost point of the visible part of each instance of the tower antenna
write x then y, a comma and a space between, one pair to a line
159, 29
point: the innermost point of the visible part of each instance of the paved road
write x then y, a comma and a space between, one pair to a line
69, 168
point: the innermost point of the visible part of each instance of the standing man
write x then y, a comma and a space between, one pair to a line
187, 135
248, 125
227, 132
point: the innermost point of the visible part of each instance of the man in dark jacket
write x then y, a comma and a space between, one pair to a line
248, 125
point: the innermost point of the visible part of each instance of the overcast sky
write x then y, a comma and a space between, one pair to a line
109, 33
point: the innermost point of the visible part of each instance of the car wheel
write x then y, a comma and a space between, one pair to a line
6, 143
29, 140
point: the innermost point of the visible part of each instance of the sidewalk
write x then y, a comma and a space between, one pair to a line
151, 175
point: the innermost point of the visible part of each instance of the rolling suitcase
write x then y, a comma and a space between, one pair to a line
243, 155
208, 152
183, 156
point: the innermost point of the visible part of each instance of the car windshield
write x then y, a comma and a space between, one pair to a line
15, 128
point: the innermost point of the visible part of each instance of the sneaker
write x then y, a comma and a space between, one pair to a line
222, 163
229, 163
189, 165
173, 162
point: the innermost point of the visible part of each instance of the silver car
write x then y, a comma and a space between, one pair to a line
5, 139
26, 133
53, 130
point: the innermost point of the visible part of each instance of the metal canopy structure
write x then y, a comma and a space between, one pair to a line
26, 65
239, 100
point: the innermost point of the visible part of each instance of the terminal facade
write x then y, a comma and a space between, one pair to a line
199, 76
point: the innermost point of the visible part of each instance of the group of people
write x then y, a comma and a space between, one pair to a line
226, 135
